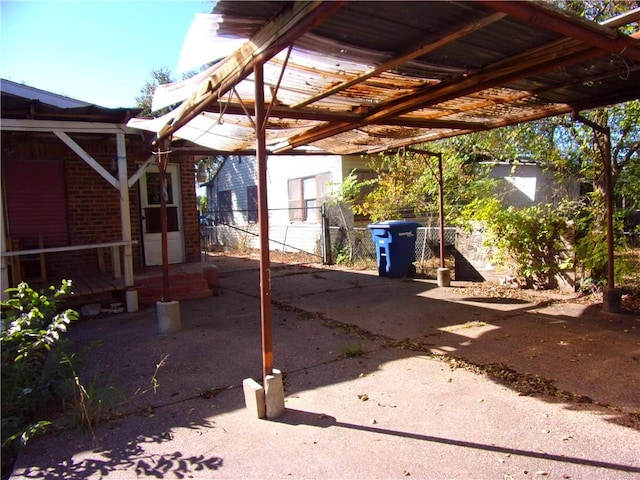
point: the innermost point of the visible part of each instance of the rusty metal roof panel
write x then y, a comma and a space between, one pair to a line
375, 75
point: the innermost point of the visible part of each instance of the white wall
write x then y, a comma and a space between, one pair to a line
237, 173
529, 184
280, 169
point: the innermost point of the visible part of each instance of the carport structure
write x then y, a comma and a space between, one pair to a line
365, 77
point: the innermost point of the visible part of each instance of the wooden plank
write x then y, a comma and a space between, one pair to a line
268, 41
68, 248
10, 124
93, 284
405, 57
80, 287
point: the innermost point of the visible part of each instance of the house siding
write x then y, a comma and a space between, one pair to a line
285, 234
235, 174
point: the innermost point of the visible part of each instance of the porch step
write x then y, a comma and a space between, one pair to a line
182, 286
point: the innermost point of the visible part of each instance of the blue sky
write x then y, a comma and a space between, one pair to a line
96, 51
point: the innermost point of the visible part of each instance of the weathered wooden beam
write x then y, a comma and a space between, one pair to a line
22, 125
333, 116
405, 57
87, 158
529, 63
266, 43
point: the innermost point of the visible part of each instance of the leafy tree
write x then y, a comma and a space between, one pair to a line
599, 10
159, 76
408, 181
532, 240
573, 149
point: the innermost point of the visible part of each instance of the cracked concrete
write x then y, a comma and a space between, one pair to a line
433, 394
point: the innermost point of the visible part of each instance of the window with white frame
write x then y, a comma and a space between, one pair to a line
306, 195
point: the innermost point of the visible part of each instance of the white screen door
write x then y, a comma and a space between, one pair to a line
150, 195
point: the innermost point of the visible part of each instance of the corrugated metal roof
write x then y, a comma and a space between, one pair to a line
368, 76
24, 102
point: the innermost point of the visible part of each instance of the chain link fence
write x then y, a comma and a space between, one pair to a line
353, 245
349, 244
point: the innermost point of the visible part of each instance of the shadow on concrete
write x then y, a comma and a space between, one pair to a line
299, 417
499, 300
132, 459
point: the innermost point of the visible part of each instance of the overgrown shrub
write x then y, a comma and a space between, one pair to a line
31, 328
531, 239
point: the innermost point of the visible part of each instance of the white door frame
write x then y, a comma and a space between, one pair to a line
150, 214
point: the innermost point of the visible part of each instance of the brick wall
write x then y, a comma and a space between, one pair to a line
190, 219
93, 205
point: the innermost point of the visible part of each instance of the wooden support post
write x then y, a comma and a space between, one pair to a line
441, 207
125, 216
162, 160
115, 262
263, 220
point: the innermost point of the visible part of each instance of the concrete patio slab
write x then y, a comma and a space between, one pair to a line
383, 378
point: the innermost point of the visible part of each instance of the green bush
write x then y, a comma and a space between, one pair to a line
31, 328
532, 239
342, 255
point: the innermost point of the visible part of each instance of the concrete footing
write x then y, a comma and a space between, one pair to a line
210, 273
268, 401
131, 297
168, 317
444, 277
274, 394
254, 398
612, 300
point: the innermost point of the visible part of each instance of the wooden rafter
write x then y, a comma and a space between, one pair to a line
535, 61
433, 90
608, 40
405, 57
267, 42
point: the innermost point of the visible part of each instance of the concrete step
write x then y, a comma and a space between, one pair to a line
182, 286
175, 278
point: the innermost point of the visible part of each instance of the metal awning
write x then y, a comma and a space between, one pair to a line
22, 102
362, 77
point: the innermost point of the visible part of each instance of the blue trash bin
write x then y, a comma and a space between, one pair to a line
395, 242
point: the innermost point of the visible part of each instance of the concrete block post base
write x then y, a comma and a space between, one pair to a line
274, 394
131, 296
168, 317
612, 300
254, 397
268, 401
210, 273
444, 277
